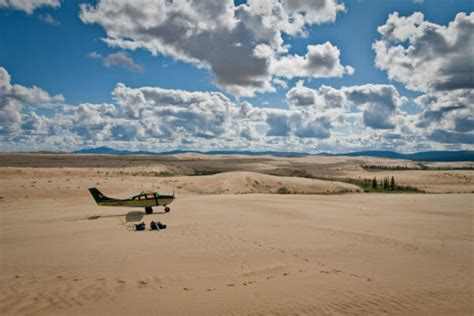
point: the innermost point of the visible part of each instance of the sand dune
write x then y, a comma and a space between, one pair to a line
228, 252
240, 182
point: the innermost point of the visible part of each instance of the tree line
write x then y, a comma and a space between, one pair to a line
385, 184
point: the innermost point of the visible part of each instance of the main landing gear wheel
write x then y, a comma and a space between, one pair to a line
148, 210
167, 209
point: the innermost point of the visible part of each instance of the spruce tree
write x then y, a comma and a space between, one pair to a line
392, 184
374, 183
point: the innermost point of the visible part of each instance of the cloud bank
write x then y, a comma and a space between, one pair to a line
153, 118
15, 98
438, 61
425, 56
241, 45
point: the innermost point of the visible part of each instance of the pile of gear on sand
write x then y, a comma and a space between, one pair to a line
153, 226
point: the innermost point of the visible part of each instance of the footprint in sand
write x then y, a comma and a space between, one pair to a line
286, 273
211, 289
187, 289
361, 277
121, 284
333, 271
231, 285
142, 283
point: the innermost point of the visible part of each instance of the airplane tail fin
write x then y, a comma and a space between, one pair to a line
98, 196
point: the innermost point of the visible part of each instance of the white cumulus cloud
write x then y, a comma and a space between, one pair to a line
379, 103
14, 97
239, 44
28, 6
437, 60
321, 61
425, 56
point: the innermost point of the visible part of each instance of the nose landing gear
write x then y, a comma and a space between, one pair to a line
167, 209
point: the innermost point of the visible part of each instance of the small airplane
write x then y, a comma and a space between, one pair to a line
146, 199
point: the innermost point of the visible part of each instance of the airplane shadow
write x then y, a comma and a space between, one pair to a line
133, 216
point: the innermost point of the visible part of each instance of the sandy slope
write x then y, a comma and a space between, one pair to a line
230, 254
239, 182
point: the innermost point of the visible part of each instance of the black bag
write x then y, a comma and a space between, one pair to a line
161, 226
140, 226
154, 225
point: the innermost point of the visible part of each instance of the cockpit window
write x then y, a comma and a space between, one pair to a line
142, 197
150, 196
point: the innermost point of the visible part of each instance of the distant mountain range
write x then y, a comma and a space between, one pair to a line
111, 151
463, 155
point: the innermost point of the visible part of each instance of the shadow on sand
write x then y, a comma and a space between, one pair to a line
133, 216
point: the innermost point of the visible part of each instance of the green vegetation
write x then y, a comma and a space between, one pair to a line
386, 185
163, 174
205, 172
283, 190
143, 173
390, 167
419, 166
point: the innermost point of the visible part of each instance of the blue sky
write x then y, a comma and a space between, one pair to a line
50, 47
